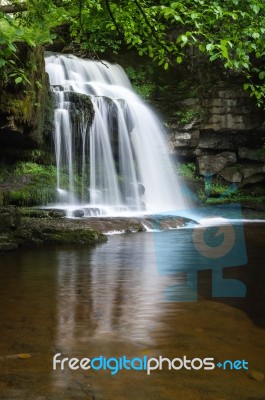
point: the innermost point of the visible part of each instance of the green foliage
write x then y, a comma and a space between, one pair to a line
141, 82
229, 31
31, 184
185, 117
39, 187
256, 90
187, 170
28, 183
238, 197
219, 192
22, 27
31, 196
33, 169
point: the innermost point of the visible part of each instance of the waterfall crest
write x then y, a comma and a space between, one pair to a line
121, 159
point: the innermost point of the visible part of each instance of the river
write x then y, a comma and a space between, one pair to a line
115, 299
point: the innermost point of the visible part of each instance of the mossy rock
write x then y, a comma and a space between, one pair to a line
80, 236
33, 213
7, 242
80, 107
26, 108
57, 231
9, 219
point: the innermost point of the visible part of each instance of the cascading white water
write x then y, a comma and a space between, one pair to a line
124, 150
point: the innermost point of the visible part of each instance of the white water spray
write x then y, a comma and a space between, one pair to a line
122, 159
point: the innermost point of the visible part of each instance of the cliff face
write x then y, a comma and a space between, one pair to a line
26, 107
26, 125
225, 134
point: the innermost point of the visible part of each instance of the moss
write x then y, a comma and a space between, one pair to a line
57, 231
187, 116
187, 170
26, 108
81, 107
14, 106
80, 236
25, 227
30, 196
142, 80
33, 184
33, 212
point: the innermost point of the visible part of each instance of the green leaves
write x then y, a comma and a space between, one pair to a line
19, 79
229, 31
179, 59
2, 62
209, 46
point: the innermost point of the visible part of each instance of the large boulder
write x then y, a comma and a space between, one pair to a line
245, 174
231, 174
212, 164
81, 108
251, 154
250, 180
253, 169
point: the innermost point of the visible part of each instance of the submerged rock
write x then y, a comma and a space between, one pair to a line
256, 376
78, 213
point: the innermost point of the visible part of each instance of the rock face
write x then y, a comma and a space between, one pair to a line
81, 108
26, 107
226, 135
230, 108
214, 164
28, 227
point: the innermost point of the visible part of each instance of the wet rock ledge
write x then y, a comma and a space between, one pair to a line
30, 226
20, 227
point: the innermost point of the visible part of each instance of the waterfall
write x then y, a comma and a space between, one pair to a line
115, 158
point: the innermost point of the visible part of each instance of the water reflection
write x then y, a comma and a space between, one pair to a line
110, 300
113, 290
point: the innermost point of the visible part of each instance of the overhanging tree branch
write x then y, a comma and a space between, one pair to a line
153, 31
114, 21
145, 18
